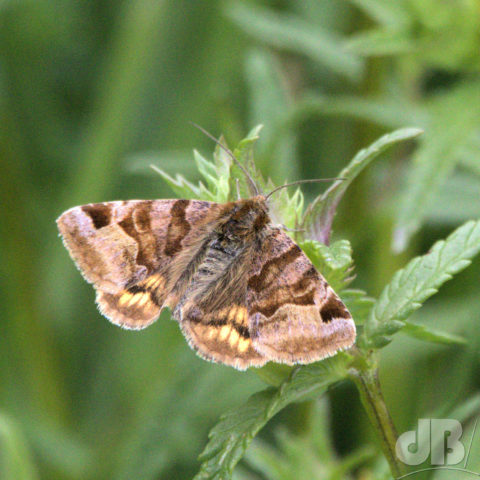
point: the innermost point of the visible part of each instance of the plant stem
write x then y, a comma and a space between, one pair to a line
372, 399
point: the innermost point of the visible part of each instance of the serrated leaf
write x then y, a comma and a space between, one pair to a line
334, 261
427, 334
216, 175
292, 33
180, 185
420, 279
285, 208
319, 215
230, 438
207, 169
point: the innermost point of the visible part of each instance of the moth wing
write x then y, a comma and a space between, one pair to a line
294, 316
128, 251
221, 335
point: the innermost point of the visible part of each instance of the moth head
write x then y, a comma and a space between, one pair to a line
260, 212
248, 216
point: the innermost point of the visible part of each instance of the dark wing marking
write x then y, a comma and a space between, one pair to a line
129, 250
294, 315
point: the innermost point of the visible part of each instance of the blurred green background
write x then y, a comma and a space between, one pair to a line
92, 92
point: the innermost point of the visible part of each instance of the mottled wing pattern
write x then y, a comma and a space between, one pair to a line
294, 316
128, 250
242, 291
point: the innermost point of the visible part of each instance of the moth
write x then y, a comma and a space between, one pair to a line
242, 291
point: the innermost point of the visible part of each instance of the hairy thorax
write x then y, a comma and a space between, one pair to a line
223, 259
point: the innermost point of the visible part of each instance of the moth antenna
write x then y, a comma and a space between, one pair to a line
230, 154
313, 180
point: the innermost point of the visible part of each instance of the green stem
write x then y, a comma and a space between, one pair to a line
368, 386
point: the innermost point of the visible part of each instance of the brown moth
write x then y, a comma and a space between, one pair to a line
241, 290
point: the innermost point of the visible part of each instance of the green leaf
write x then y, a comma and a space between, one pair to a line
274, 374
334, 262
286, 209
232, 435
457, 201
422, 332
419, 280
319, 215
207, 169
385, 112
216, 175
437, 156
180, 185
16, 461
292, 33
223, 165
244, 153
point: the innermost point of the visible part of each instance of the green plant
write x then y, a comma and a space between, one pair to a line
377, 321
91, 92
